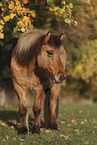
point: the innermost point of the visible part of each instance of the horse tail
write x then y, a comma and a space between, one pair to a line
47, 108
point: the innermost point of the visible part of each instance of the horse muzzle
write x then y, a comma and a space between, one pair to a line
59, 79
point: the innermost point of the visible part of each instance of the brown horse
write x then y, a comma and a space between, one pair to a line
38, 63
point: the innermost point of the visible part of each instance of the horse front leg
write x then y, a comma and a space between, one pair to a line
24, 129
55, 91
37, 109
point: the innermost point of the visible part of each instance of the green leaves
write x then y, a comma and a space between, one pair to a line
49, 1
63, 11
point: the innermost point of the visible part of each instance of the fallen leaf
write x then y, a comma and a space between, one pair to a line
51, 140
82, 140
80, 111
12, 127
66, 137
62, 122
41, 129
85, 120
94, 120
69, 125
14, 138
82, 122
47, 131
3, 124
73, 121
86, 142
3, 140
76, 130
21, 139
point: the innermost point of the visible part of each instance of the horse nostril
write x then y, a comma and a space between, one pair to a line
61, 77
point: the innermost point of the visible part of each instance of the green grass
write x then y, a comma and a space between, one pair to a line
77, 126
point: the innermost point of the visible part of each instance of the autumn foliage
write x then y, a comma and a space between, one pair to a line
80, 42
15, 11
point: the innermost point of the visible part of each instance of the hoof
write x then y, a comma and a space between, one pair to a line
36, 129
23, 130
54, 126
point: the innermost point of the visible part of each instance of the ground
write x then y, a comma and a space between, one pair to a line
77, 126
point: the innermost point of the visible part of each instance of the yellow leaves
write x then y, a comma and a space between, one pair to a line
86, 68
17, 2
12, 15
21, 14
32, 14
63, 2
26, 20
6, 18
11, 6
20, 24
79, 68
1, 27
0, 4
68, 21
2, 22
1, 35
71, 5
23, 29
14, 9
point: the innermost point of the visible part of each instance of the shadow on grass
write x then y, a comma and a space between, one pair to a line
11, 118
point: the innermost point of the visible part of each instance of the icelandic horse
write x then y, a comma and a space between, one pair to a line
38, 63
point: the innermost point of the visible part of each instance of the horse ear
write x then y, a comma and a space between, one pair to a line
61, 36
47, 37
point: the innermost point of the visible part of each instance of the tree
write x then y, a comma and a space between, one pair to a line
62, 16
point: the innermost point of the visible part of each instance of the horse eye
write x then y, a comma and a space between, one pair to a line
50, 53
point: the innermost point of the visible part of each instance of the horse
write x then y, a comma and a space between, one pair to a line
38, 63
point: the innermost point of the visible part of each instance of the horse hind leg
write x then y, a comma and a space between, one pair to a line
47, 108
22, 109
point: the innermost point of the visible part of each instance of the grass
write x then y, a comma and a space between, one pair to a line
77, 126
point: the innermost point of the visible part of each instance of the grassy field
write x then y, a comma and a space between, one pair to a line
77, 126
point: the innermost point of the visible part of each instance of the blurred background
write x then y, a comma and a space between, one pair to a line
77, 19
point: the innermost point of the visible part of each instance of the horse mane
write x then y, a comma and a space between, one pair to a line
30, 43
